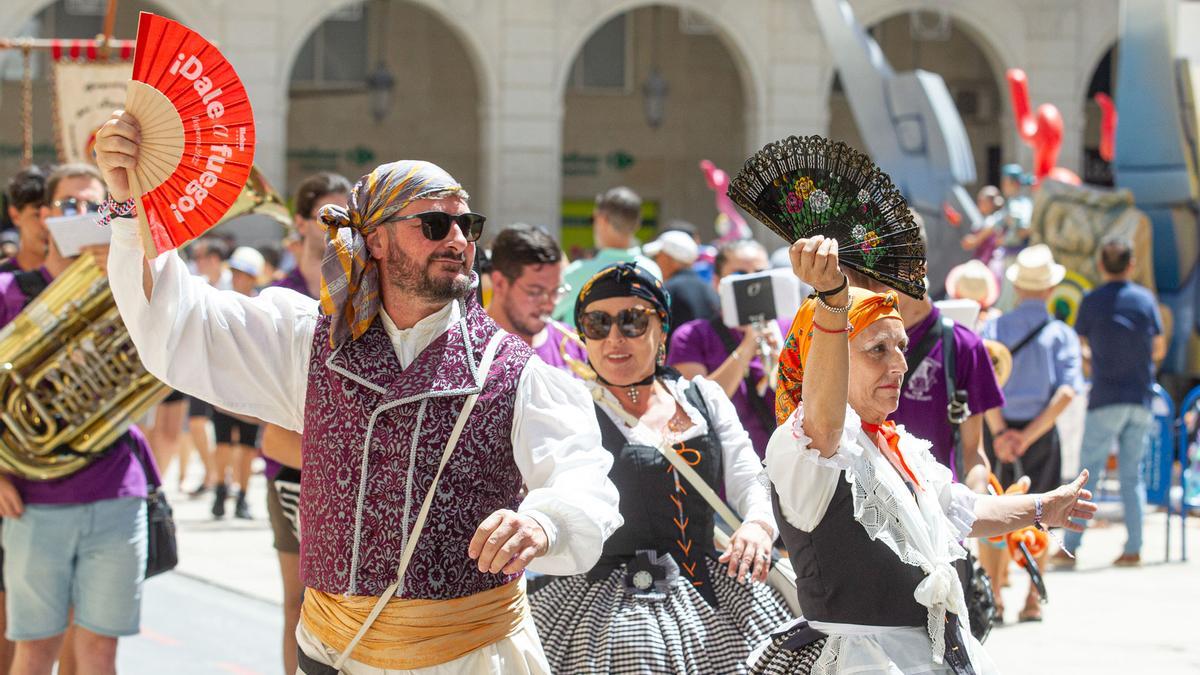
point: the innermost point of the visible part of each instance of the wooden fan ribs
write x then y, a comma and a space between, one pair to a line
197, 132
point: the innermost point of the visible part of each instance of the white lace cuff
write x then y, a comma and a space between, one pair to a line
847, 444
961, 509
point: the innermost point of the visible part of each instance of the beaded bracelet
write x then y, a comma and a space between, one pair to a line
835, 310
111, 208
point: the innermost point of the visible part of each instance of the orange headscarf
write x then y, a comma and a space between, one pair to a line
865, 309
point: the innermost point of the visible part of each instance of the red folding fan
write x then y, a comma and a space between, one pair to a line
197, 133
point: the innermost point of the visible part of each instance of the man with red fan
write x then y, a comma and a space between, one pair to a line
413, 405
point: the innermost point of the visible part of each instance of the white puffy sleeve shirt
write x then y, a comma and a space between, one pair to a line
251, 356
805, 481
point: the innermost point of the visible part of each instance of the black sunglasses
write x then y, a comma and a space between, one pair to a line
72, 206
631, 322
435, 225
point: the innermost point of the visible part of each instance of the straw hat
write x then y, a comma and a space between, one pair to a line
973, 280
1035, 269
1002, 360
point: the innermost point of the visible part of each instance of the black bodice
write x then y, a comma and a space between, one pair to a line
661, 513
843, 576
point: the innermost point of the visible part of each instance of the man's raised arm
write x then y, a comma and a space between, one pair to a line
246, 355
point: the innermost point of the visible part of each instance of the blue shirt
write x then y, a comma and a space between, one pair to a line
1119, 321
1051, 360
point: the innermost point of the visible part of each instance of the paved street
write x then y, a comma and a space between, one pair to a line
219, 612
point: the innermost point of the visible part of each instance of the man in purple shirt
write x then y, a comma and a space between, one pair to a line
76, 543
527, 281
281, 447
27, 210
924, 406
698, 348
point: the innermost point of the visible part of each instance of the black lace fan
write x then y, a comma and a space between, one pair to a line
802, 187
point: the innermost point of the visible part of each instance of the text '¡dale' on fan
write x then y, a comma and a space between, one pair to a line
197, 132
804, 187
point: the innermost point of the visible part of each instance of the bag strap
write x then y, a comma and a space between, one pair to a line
31, 283
1029, 338
153, 482
714, 500
485, 365
956, 399
916, 354
765, 415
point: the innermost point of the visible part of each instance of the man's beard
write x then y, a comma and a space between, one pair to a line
406, 274
522, 324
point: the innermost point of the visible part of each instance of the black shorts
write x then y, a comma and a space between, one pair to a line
175, 396
1042, 462
198, 408
225, 425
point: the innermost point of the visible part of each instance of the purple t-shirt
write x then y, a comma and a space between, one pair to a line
922, 408
698, 342
116, 474
294, 281
549, 351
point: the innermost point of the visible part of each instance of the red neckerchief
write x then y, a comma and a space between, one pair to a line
888, 441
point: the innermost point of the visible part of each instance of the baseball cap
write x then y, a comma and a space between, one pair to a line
248, 260
676, 244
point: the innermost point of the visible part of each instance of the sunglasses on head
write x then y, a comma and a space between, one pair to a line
631, 322
435, 225
72, 206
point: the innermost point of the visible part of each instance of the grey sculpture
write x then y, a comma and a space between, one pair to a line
911, 128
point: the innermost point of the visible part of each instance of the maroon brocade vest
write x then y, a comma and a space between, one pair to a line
373, 438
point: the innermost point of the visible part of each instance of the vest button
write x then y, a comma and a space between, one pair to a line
643, 580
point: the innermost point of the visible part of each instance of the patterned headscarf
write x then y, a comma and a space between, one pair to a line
623, 280
865, 309
349, 276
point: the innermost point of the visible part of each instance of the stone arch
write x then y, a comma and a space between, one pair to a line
23, 11
977, 29
307, 22
711, 114
309, 16
733, 37
967, 69
13, 15
1094, 169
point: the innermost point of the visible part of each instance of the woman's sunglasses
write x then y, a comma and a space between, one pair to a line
435, 225
631, 322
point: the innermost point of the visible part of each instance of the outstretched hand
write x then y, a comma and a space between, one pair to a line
507, 542
1066, 502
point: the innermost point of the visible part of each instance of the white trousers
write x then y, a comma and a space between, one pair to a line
518, 654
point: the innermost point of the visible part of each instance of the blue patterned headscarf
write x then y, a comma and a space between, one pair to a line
349, 276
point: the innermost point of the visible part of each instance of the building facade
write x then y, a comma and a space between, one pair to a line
536, 105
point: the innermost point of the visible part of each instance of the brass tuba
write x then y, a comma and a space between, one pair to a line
71, 381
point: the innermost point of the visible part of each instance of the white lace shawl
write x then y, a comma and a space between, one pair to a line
923, 532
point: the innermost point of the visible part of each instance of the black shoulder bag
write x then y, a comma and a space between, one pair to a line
162, 552
764, 413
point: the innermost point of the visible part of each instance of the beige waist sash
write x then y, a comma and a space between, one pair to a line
411, 634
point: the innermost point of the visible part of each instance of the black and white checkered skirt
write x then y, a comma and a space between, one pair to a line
599, 628
779, 659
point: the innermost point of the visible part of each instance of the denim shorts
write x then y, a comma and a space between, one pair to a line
90, 557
